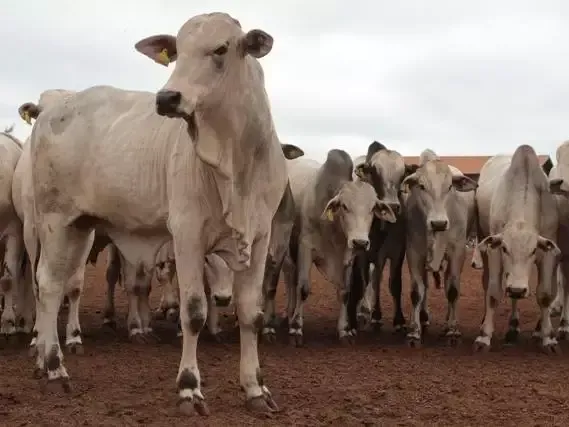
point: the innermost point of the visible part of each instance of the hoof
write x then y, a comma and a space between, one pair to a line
512, 336
264, 404
481, 347
365, 323
188, 407
296, 340
414, 342
39, 373
348, 340
453, 340
270, 337
551, 346
55, 385
76, 348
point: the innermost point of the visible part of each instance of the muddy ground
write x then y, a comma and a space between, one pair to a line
377, 382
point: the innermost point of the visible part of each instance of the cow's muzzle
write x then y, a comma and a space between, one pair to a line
168, 103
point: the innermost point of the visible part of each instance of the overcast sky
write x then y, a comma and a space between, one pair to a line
458, 77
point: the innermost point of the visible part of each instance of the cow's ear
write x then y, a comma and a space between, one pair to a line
29, 111
160, 48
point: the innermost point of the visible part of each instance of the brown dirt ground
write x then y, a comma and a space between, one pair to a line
377, 382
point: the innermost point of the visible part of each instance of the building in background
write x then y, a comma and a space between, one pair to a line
471, 165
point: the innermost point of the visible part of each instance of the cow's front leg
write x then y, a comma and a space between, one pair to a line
545, 295
248, 292
492, 283
345, 333
190, 264
416, 264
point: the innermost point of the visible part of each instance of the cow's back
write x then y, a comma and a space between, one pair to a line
301, 173
111, 151
490, 177
10, 152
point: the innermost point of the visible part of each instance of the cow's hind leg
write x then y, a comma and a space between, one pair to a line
416, 264
270, 283
452, 290
396, 288
11, 282
513, 324
296, 323
248, 292
64, 251
112, 275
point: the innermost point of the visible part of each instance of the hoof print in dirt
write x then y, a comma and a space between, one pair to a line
188, 407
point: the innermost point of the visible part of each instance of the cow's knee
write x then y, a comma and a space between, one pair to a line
196, 310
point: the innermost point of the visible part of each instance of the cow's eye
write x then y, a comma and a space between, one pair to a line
221, 50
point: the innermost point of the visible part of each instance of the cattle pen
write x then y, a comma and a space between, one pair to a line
378, 381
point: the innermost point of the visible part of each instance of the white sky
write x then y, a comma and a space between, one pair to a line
459, 77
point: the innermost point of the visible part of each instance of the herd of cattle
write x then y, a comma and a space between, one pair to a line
192, 184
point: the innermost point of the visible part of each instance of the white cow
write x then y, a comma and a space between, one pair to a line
198, 162
517, 227
334, 218
12, 249
439, 212
559, 178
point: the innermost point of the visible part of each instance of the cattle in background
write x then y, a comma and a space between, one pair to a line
517, 228
333, 222
440, 215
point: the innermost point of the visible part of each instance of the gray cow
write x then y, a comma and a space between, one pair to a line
559, 178
517, 227
334, 218
198, 162
439, 210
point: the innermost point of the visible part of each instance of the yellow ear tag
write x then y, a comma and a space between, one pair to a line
26, 117
163, 57
329, 215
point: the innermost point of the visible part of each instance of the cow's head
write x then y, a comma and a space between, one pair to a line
212, 63
518, 246
353, 209
431, 184
385, 169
